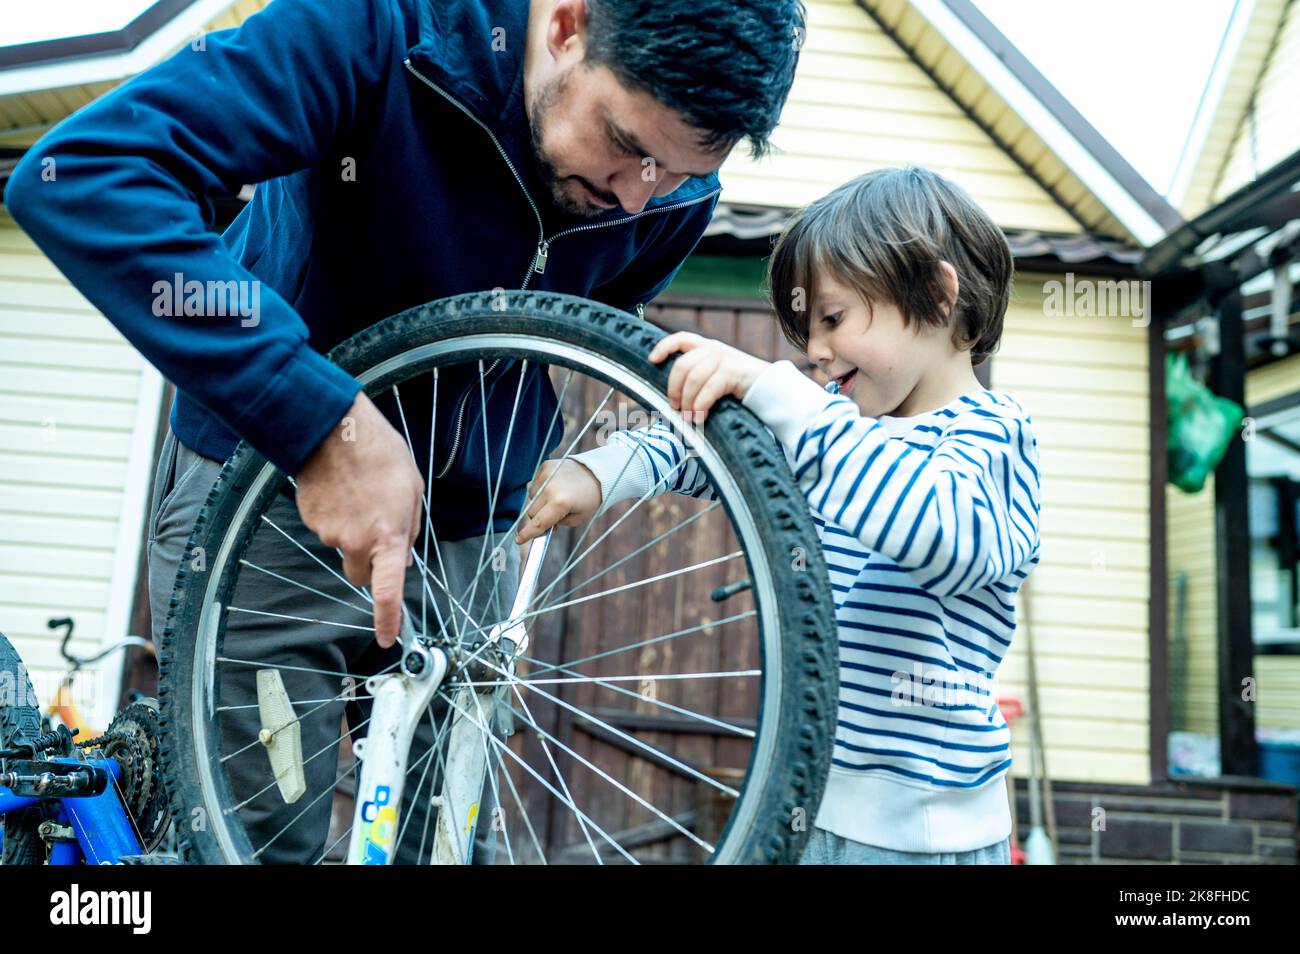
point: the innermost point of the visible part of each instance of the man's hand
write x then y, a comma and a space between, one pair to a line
361, 492
706, 371
571, 497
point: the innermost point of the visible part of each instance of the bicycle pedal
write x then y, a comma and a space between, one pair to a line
281, 735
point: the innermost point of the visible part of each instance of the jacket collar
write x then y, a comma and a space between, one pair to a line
474, 52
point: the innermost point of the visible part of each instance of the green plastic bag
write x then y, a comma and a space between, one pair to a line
1201, 424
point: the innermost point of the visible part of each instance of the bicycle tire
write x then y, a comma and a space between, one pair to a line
22, 843
803, 724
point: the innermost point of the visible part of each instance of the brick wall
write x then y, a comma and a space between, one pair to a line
1191, 821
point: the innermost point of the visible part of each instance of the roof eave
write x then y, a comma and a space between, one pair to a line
56, 64
1137, 206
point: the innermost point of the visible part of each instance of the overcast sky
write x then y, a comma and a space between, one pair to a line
1134, 68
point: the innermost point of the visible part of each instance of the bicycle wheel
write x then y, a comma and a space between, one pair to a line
652, 718
20, 718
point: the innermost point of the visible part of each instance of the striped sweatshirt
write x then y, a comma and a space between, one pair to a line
929, 525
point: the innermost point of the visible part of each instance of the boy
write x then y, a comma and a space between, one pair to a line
924, 488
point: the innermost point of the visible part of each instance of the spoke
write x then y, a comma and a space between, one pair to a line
427, 574
528, 768
494, 491
576, 558
304, 586
299, 619
491, 777
428, 492
600, 679
547, 667
275, 781
298, 702
680, 710
509, 533
429, 533
641, 549
328, 569
263, 664
603, 593
619, 785
437, 745
501, 767
338, 698
346, 772
681, 766
559, 777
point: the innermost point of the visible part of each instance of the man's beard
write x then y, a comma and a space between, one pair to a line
547, 174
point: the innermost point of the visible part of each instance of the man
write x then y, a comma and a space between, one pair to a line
404, 150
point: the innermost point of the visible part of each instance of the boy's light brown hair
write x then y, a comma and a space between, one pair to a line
883, 234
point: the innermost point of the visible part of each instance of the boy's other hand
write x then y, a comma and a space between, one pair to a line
571, 497
707, 371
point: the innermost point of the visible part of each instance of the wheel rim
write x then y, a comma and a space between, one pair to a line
395, 371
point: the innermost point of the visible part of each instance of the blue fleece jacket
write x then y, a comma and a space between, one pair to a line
391, 152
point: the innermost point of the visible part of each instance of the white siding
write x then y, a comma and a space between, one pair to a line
78, 412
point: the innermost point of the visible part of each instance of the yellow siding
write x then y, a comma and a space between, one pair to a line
1084, 383
1191, 542
70, 387
858, 103
1279, 692
1238, 88
1271, 131
1273, 381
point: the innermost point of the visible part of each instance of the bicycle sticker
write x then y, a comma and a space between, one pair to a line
378, 826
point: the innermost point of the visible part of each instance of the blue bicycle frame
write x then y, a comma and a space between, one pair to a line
104, 832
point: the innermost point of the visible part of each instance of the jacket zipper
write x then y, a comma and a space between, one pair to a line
538, 264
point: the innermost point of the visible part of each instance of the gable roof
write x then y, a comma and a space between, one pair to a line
45, 81
1253, 34
934, 83
1012, 83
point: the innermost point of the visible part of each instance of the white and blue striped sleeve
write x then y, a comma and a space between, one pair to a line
957, 519
645, 461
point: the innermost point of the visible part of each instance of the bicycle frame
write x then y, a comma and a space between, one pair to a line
103, 831
400, 700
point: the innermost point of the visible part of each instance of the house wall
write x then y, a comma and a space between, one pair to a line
1269, 130
78, 416
859, 103
1084, 382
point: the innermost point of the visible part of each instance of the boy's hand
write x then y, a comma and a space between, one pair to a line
570, 498
706, 371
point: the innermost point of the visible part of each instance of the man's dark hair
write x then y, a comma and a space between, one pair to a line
724, 66
883, 234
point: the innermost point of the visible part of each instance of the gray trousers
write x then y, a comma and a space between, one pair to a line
321, 645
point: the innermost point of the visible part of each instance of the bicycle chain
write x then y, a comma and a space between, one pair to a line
132, 740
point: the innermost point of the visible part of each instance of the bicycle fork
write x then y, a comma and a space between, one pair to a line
399, 701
